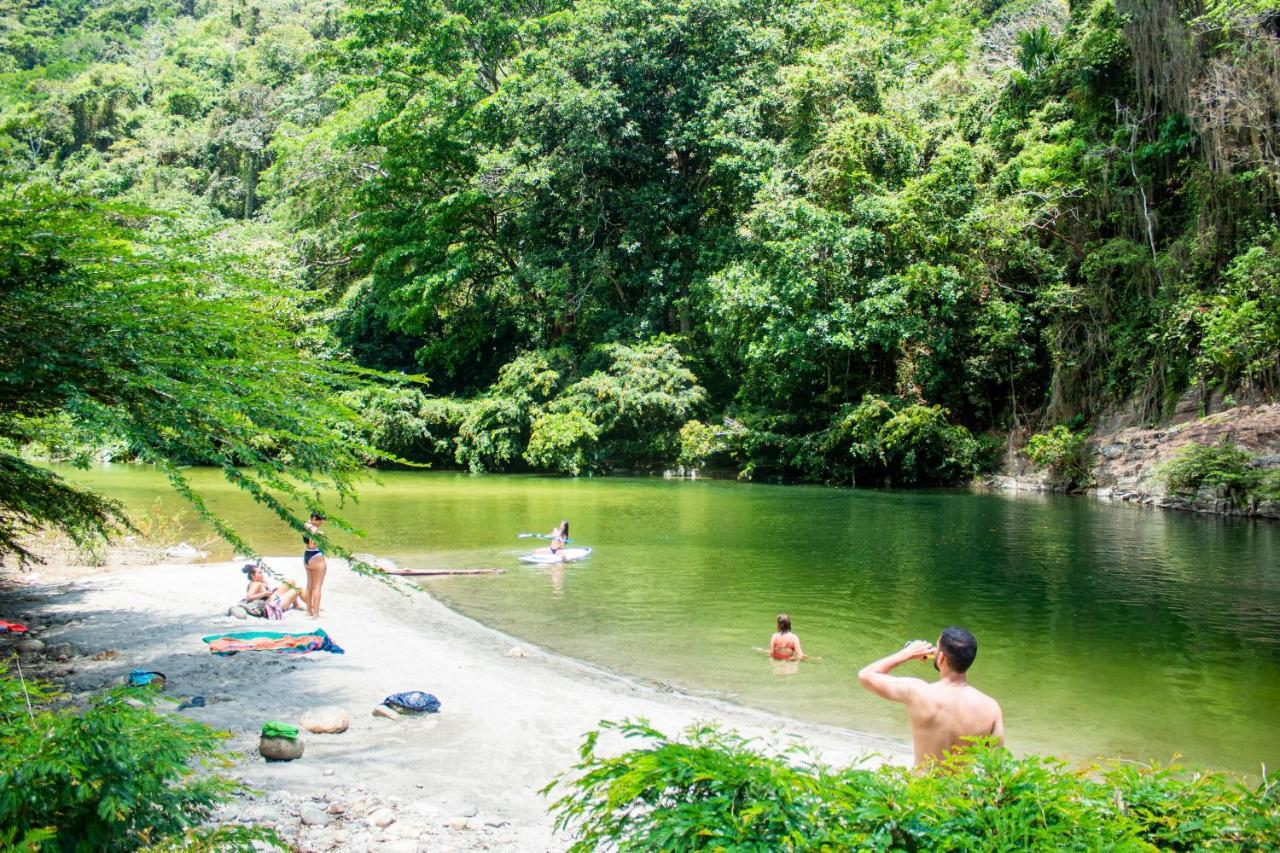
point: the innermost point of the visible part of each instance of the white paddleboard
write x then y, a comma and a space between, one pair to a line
568, 555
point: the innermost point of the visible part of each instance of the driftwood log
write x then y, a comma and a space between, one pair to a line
422, 573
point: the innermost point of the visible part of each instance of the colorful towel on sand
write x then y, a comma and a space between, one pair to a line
271, 641
12, 628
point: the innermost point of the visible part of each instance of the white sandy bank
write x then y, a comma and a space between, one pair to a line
467, 778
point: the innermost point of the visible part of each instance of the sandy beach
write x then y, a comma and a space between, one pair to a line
464, 779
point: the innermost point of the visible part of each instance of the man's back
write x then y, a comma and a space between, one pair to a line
947, 711
943, 713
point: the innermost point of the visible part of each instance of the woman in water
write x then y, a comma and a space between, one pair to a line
278, 599
315, 563
785, 645
559, 536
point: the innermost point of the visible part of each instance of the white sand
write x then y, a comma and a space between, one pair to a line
507, 727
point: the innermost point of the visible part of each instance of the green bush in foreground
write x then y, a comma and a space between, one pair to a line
714, 791
111, 777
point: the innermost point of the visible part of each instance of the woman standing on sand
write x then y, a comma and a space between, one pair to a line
315, 563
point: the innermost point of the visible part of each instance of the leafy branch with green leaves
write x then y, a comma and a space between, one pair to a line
113, 776
153, 339
717, 790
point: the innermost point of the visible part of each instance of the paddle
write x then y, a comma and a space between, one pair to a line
537, 536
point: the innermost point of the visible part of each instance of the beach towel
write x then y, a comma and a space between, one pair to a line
271, 641
12, 628
414, 700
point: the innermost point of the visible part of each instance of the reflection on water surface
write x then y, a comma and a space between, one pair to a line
1103, 629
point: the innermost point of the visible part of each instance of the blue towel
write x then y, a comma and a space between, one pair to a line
140, 677
414, 700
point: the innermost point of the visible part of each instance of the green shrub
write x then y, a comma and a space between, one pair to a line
698, 443
638, 399
919, 446
1065, 454
404, 423
1240, 325
883, 439
1225, 468
114, 776
715, 791
625, 413
561, 441
496, 426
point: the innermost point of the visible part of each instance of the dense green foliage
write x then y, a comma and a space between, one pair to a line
716, 791
977, 215
114, 776
1229, 473
109, 326
1065, 454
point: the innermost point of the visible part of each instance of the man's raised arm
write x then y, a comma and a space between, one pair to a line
876, 678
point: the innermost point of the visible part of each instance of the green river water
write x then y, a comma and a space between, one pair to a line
1104, 630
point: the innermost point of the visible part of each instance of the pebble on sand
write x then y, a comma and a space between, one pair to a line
313, 815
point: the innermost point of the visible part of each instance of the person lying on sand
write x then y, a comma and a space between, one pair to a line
287, 596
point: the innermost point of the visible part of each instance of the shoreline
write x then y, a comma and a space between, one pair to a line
466, 778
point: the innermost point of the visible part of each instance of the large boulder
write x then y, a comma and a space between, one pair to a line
327, 720
281, 748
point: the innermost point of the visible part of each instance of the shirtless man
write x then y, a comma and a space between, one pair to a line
946, 711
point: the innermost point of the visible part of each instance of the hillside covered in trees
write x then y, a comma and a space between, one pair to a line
840, 241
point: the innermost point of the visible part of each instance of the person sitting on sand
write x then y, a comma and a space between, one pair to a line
785, 645
287, 596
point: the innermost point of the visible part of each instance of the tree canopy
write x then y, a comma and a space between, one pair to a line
842, 241
112, 327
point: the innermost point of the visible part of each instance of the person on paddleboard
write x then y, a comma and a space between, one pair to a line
559, 537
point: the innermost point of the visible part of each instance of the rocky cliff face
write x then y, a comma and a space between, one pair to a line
1127, 459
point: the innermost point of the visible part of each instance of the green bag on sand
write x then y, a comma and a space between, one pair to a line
275, 728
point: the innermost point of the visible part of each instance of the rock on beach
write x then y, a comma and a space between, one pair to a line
281, 748
329, 719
